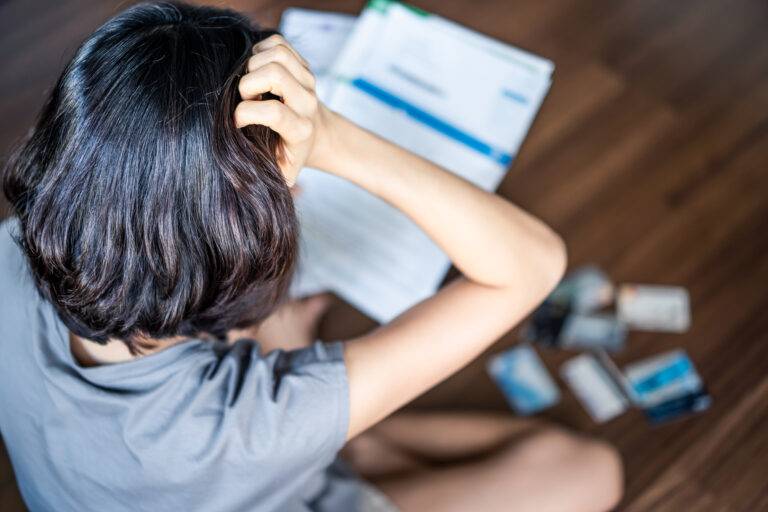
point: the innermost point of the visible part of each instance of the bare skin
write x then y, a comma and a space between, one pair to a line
292, 326
509, 262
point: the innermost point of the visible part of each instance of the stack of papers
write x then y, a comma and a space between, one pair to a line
446, 93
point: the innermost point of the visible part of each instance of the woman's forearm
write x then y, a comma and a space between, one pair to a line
509, 259
490, 240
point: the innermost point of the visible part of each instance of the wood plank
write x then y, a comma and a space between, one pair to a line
650, 154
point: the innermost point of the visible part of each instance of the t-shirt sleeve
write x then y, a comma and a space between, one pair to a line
291, 407
17, 287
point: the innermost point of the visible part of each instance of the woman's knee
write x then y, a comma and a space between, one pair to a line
591, 467
602, 461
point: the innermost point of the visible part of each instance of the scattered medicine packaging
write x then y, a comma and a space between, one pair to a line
574, 317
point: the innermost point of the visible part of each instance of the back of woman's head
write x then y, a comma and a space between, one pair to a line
143, 210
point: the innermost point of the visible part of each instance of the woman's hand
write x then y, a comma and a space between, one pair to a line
292, 326
300, 119
509, 259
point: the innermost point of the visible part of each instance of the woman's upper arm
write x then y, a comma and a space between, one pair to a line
397, 362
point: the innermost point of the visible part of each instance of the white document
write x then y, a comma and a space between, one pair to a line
318, 36
446, 93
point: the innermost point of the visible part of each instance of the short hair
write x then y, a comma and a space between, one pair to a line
144, 211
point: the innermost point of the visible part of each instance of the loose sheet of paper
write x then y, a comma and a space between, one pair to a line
319, 37
455, 97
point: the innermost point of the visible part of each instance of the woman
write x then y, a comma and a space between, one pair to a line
146, 361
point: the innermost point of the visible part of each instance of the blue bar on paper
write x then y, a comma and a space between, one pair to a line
515, 96
432, 121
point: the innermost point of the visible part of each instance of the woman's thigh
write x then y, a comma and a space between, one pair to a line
501, 463
415, 440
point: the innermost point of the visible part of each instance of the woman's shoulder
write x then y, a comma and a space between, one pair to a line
9, 233
16, 283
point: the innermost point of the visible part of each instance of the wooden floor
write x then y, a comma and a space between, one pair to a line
650, 155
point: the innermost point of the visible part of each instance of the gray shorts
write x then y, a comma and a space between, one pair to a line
344, 490
373, 500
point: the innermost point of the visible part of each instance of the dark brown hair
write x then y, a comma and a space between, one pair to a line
144, 212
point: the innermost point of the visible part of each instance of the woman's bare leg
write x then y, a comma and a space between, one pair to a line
409, 441
447, 436
530, 466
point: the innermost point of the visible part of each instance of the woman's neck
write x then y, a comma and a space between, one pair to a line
89, 353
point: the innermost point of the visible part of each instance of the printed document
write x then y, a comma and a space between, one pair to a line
448, 94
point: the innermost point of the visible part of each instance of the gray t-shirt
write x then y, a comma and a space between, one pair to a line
197, 426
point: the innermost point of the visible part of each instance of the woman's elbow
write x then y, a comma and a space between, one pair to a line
552, 263
541, 267
547, 267
559, 259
